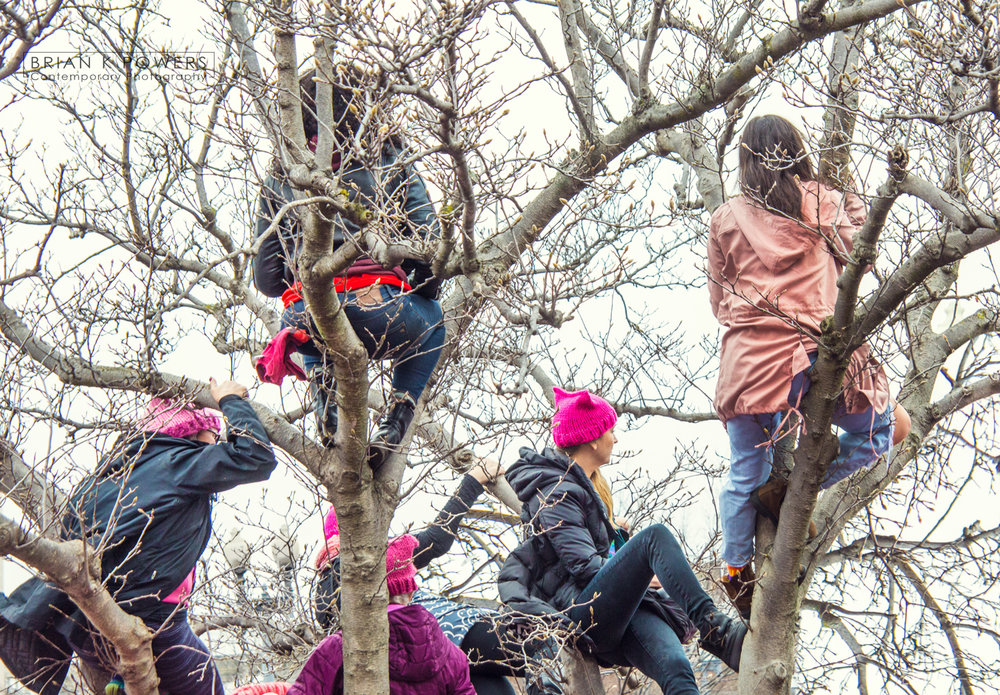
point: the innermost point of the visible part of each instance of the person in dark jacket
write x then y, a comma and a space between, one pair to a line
394, 311
567, 565
491, 640
421, 659
148, 507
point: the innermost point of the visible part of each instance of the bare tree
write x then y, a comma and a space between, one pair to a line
578, 148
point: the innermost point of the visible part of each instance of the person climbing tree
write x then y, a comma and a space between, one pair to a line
774, 255
491, 641
394, 311
148, 507
421, 659
636, 604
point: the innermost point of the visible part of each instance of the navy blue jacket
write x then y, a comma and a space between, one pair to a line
394, 185
149, 505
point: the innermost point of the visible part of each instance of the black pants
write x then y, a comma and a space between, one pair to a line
493, 656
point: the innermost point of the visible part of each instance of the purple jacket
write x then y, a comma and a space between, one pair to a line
421, 660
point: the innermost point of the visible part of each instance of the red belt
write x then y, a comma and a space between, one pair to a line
347, 284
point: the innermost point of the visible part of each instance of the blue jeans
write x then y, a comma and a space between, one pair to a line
404, 327
865, 437
183, 663
625, 632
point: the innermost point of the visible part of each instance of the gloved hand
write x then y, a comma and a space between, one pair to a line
423, 282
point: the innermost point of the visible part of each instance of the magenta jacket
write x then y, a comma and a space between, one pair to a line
421, 660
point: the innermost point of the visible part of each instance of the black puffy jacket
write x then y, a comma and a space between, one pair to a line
570, 536
393, 185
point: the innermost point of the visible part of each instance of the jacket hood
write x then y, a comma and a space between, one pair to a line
536, 471
775, 240
417, 647
779, 241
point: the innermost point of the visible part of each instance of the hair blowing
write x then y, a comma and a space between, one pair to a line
773, 161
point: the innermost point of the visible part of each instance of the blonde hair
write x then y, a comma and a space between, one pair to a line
600, 483
604, 492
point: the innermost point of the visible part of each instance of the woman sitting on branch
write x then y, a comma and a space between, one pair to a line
638, 601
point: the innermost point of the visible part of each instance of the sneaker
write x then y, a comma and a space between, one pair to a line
721, 636
767, 500
739, 588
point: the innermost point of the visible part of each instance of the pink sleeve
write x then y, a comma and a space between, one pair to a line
716, 261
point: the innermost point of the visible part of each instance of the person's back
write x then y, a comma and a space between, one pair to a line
422, 661
769, 265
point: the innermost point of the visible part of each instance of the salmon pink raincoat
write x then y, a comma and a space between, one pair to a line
772, 280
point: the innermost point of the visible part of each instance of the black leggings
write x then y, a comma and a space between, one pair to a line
493, 656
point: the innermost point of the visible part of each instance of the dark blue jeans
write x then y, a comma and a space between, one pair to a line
625, 633
403, 327
183, 663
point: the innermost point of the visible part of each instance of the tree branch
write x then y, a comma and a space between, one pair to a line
76, 570
943, 619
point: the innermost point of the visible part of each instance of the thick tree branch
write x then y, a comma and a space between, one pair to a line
965, 395
76, 570
962, 215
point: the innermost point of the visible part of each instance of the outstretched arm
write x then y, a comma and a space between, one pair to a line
245, 456
437, 539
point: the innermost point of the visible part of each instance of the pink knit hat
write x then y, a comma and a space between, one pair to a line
580, 417
331, 548
164, 416
400, 572
330, 527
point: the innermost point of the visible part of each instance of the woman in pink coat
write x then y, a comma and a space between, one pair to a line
774, 255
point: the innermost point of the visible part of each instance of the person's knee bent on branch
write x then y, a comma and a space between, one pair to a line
393, 310
774, 256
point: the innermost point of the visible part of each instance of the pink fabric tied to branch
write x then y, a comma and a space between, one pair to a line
276, 362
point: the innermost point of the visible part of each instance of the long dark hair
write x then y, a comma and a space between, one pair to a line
773, 161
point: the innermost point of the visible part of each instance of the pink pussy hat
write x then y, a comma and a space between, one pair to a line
580, 417
164, 416
330, 527
400, 572
331, 534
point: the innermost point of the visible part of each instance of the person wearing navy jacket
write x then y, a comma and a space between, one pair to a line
394, 310
148, 507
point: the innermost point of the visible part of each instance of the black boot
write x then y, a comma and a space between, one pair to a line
323, 391
722, 636
391, 429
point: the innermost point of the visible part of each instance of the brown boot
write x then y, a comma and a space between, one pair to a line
767, 500
739, 588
